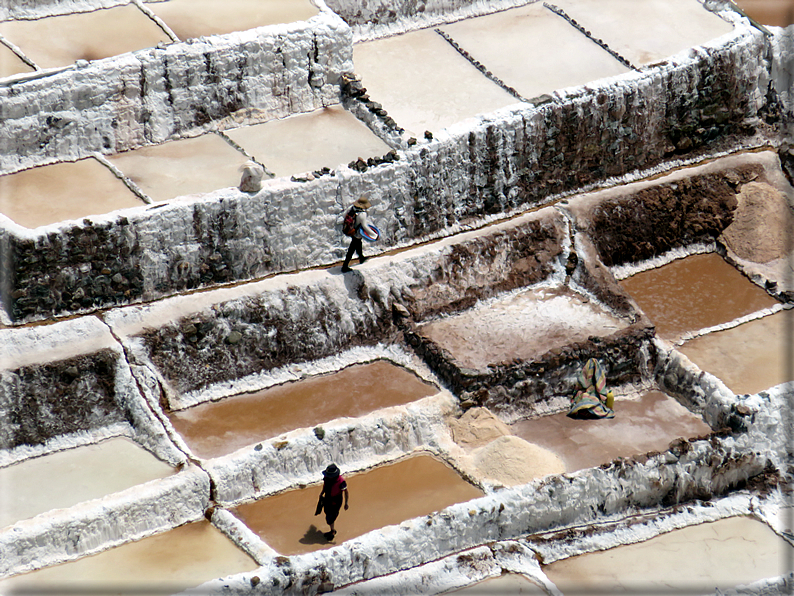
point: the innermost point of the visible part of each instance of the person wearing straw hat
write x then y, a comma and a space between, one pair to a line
334, 486
354, 220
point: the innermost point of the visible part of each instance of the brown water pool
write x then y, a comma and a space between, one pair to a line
748, 358
693, 560
647, 424
379, 497
694, 293
216, 429
163, 564
779, 13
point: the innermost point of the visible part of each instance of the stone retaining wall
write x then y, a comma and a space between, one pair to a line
514, 159
153, 95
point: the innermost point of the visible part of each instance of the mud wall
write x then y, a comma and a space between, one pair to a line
153, 95
514, 159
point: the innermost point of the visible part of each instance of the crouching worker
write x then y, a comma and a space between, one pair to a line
334, 486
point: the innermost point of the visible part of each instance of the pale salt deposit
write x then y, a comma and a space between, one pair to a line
512, 461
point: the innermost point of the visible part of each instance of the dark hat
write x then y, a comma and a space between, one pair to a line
331, 472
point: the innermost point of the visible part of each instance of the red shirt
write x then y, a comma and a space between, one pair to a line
337, 487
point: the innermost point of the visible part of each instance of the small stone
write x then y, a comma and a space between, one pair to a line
319, 432
117, 279
411, 141
234, 337
73, 372
259, 447
255, 581
106, 271
428, 135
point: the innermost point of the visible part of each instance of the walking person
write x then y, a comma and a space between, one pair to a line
354, 220
334, 486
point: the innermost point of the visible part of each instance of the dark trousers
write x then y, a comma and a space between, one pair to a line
355, 246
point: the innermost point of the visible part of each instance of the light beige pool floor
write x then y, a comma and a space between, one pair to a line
195, 18
328, 137
533, 50
181, 168
422, 93
11, 64
62, 40
63, 191
65, 478
648, 31
166, 563
693, 560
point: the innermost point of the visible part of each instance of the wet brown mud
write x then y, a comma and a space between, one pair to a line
383, 496
647, 424
216, 429
694, 293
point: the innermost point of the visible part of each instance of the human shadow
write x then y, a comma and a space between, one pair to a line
313, 536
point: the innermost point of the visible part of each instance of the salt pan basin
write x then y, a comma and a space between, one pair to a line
523, 325
65, 478
779, 13
649, 423
648, 31
58, 192
379, 497
11, 64
62, 40
181, 168
516, 45
327, 137
748, 358
166, 563
196, 18
693, 560
422, 93
694, 293
215, 429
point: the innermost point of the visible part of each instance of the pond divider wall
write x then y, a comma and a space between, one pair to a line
93, 526
512, 160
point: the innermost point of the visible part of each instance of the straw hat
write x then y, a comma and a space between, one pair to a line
362, 202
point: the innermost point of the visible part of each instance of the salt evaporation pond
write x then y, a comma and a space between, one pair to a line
748, 358
508, 44
694, 293
166, 563
779, 13
422, 94
196, 18
65, 478
215, 429
523, 325
646, 424
328, 137
185, 167
647, 31
693, 560
50, 194
385, 495
62, 40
